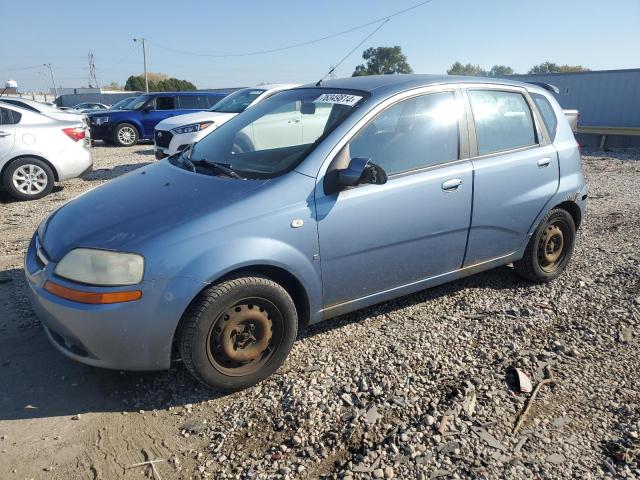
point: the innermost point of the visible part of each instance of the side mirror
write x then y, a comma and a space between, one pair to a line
359, 172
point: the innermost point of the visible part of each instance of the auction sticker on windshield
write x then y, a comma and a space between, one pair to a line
338, 98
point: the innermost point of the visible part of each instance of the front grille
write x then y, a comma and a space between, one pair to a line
163, 138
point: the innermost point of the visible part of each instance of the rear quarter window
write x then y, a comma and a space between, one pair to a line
9, 117
548, 115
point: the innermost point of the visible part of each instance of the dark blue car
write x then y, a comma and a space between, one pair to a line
137, 122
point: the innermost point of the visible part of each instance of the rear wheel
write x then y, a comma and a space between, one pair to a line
28, 178
125, 135
549, 249
238, 332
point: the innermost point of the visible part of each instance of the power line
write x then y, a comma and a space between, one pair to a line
332, 69
296, 45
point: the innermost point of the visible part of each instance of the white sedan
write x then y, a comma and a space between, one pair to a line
177, 133
36, 151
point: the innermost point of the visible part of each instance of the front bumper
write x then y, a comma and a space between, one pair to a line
134, 335
167, 143
102, 132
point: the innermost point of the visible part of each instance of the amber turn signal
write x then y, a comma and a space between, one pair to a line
91, 297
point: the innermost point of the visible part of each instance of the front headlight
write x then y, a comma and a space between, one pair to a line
101, 267
100, 120
194, 127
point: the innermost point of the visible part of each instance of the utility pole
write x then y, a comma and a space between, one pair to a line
92, 71
53, 80
144, 57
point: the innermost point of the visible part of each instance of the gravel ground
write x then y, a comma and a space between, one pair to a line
421, 387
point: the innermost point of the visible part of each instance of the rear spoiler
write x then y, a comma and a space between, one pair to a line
547, 86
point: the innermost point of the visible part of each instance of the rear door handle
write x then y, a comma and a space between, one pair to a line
544, 162
294, 120
4, 134
452, 185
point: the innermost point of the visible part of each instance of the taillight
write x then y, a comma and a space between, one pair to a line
76, 134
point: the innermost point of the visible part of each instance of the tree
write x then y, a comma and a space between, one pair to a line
549, 67
500, 71
468, 69
383, 60
135, 83
114, 86
158, 82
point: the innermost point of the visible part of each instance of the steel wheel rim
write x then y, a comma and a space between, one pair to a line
126, 135
552, 246
30, 179
254, 347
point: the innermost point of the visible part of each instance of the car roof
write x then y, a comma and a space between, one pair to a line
395, 83
197, 92
26, 101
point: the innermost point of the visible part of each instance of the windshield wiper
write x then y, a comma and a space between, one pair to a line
223, 167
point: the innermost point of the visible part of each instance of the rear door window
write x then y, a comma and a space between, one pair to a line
211, 100
189, 102
165, 103
503, 120
548, 115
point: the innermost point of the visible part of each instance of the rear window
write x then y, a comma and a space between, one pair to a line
20, 104
548, 115
503, 120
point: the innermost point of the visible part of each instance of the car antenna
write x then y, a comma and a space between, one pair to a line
332, 69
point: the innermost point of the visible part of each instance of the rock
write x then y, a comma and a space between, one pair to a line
388, 472
76, 417
378, 473
372, 415
346, 398
488, 438
555, 458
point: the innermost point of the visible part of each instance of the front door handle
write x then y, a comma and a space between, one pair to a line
4, 134
295, 120
544, 162
452, 185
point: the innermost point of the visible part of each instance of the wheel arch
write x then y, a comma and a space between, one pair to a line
56, 177
283, 277
573, 209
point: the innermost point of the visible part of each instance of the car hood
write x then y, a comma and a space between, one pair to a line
181, 120
143, 204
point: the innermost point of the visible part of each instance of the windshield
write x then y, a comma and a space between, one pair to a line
122, 104
138, 102
272, 137
238, 101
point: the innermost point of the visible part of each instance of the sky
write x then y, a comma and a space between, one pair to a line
599, 35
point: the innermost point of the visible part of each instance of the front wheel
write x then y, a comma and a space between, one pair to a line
28, 179
238, 332
549, 249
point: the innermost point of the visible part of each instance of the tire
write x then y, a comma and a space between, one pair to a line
549, 249
28, 178
126, 135
238, 332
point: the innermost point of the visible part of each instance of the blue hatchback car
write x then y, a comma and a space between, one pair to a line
316, 202
138, 121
